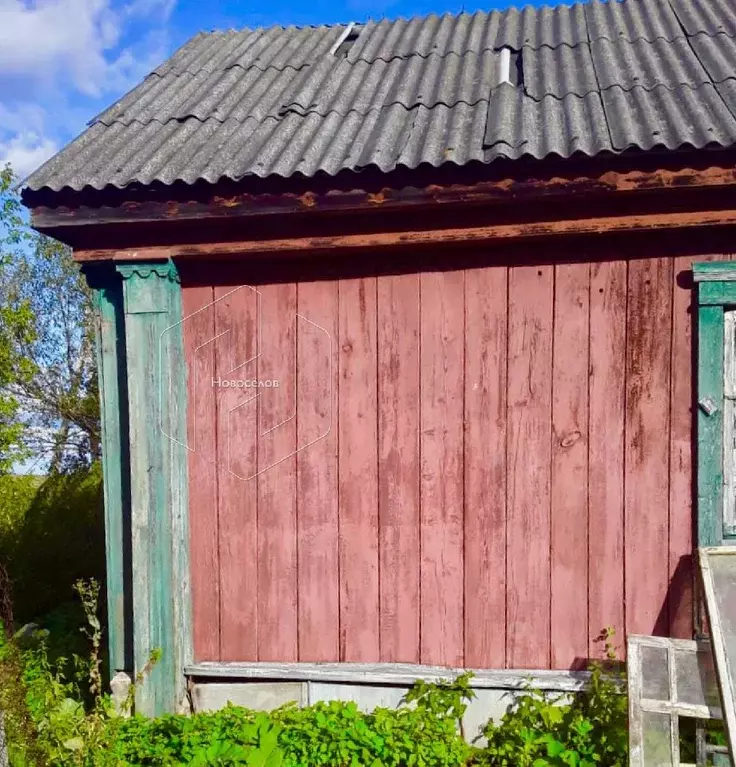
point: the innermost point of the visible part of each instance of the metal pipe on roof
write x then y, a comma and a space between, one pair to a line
504, 66
340, 40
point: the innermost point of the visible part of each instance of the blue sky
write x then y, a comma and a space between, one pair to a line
63, 61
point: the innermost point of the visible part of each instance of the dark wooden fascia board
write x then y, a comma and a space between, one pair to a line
373, 192
423, 238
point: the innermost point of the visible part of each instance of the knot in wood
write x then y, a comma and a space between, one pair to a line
569, 439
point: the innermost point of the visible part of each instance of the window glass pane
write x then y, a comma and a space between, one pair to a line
696, 679
657, 740
655, 673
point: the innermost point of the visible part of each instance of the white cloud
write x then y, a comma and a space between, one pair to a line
25, 152
63, 61
52, 41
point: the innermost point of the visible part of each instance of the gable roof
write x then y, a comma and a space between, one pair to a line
591, 78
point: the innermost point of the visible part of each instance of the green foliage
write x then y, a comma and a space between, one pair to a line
542, 730
16, 496
49, 407
70, 719
51, 535
16, 324
66, 721
21, 735
422, 731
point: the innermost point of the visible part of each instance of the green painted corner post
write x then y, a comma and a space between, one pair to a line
110, 332
156, 387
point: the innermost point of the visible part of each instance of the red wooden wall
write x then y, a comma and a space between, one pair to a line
476, 466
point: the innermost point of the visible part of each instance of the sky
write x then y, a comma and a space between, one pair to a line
64, 61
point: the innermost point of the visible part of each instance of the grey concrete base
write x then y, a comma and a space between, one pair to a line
265, 686
260, 696
265, 696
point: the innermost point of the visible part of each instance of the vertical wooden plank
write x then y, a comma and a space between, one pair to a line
528, 470
398, 461
608, 294
442, 352
151, 617
358, 471
649, 316
237, 325
710, 425
110, 330
199, 345
317, 540
486, 309
729, 411
173, 425
277, 568
569, 510
681, 454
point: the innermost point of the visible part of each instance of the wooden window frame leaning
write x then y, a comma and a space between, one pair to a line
672, 707
715, 283
717, 619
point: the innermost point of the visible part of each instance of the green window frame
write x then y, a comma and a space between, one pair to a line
715, 283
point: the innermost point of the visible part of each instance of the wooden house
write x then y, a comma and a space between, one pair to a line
416, 344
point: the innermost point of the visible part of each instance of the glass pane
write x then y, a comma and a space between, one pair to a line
696, 678
655, 673
723, 569
657, 741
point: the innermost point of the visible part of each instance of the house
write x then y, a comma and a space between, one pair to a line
416, 344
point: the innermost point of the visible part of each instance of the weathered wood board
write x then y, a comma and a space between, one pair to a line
490, 455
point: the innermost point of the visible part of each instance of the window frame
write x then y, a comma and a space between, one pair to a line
715, 283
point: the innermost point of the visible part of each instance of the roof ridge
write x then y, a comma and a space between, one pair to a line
525, 8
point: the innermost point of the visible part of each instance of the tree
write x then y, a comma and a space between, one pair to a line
16, 325
54, 389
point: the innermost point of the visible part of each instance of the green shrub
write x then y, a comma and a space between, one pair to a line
335, 733
586, 730
51, 535
542, 731
16, 496
57, 715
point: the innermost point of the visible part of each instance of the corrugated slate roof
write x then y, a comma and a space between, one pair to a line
590, 78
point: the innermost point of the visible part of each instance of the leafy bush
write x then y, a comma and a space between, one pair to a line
540, 731
57, 715
588, 730
51, 535
16, 496
335, 733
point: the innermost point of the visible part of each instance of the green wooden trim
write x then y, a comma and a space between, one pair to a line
720, 293
714, 271
158, 457
109, 322
710, 425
